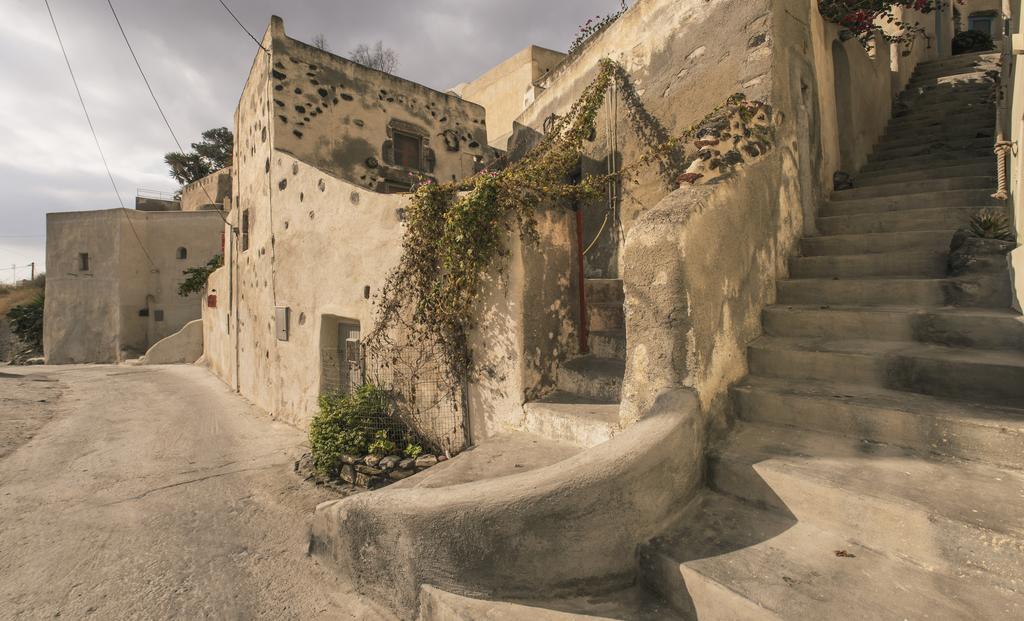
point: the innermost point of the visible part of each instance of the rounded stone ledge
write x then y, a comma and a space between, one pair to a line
183, 347
558, 529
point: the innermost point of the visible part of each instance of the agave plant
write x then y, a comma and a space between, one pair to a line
991, 224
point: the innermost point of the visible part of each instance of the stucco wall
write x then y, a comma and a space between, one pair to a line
95, 316
507, 89
81, 316
1014, 129
339, 116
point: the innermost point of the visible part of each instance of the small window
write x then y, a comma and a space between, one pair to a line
407, 150
182, 253
245, 230
83, 261
980, 24
158, 315
393, 187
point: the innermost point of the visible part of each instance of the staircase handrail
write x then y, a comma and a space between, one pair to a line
1003, 147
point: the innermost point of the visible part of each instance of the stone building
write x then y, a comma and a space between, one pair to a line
737, 392
112, 280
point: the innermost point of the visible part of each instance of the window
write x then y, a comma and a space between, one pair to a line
158, 315
341, 356
394, 187
407, 150
981, 24
83, 261
182, 253
245, 230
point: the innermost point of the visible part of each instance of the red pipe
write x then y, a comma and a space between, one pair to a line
584, 323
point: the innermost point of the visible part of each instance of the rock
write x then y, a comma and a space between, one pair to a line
426, 461
369, 470
351, 460
370, 482
389, 463
441, 458
972, 254
371, 460
407, 464
398, 475
305, 463
347, 474
841, 181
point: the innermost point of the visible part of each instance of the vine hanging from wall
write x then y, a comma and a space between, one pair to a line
862, 17
455, 234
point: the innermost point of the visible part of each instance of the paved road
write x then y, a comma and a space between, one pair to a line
153, 493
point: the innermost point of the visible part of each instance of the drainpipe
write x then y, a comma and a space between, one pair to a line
584, 320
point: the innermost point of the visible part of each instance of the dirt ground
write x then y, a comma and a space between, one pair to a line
153, 493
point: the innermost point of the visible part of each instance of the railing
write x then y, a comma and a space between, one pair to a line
155, 194
1003, 147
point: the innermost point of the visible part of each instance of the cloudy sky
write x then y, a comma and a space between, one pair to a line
197, 59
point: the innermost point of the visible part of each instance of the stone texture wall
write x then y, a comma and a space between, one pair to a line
341, 117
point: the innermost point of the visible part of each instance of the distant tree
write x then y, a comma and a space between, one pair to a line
210, 154
27, 322
376, 57
320, 41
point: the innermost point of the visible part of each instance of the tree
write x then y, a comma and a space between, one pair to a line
210, 154
320, 42
376, 57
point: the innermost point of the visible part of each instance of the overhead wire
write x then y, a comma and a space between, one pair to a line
157, 102
95, 137
242, 26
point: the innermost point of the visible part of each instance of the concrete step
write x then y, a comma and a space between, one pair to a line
938, 105
932, 219
955, 327
928, 127
922, 241
946, 88
947, 516
994, 377
989, 291
595, 379
983, 166
566, 417
933, 146
955, 66
608, 344
726, 559
926, 161
635, 604
914, 187
977, 197
605, 316
909, 263
920, 422
604, 290
952, 135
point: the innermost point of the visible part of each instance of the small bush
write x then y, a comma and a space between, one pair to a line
991, 224
972, 41
197, 276
27, 322
412, 451
344, 425
381, 445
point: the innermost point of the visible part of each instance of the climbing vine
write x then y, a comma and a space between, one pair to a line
861, 17
455, 232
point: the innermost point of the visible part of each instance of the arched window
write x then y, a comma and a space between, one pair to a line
182, 253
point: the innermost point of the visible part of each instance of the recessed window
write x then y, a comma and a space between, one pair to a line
158, 315
182, 253
245, 230
407, 150
83, 261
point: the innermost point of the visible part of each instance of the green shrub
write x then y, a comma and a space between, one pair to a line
972, 41
413, 451
197, 276
27, 322
344, 425
381, 445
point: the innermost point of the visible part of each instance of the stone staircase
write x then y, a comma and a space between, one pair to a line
875, 472
584, 409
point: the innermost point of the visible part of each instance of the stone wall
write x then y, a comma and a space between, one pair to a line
209, 192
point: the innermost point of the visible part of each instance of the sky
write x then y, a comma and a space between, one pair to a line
197, 58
